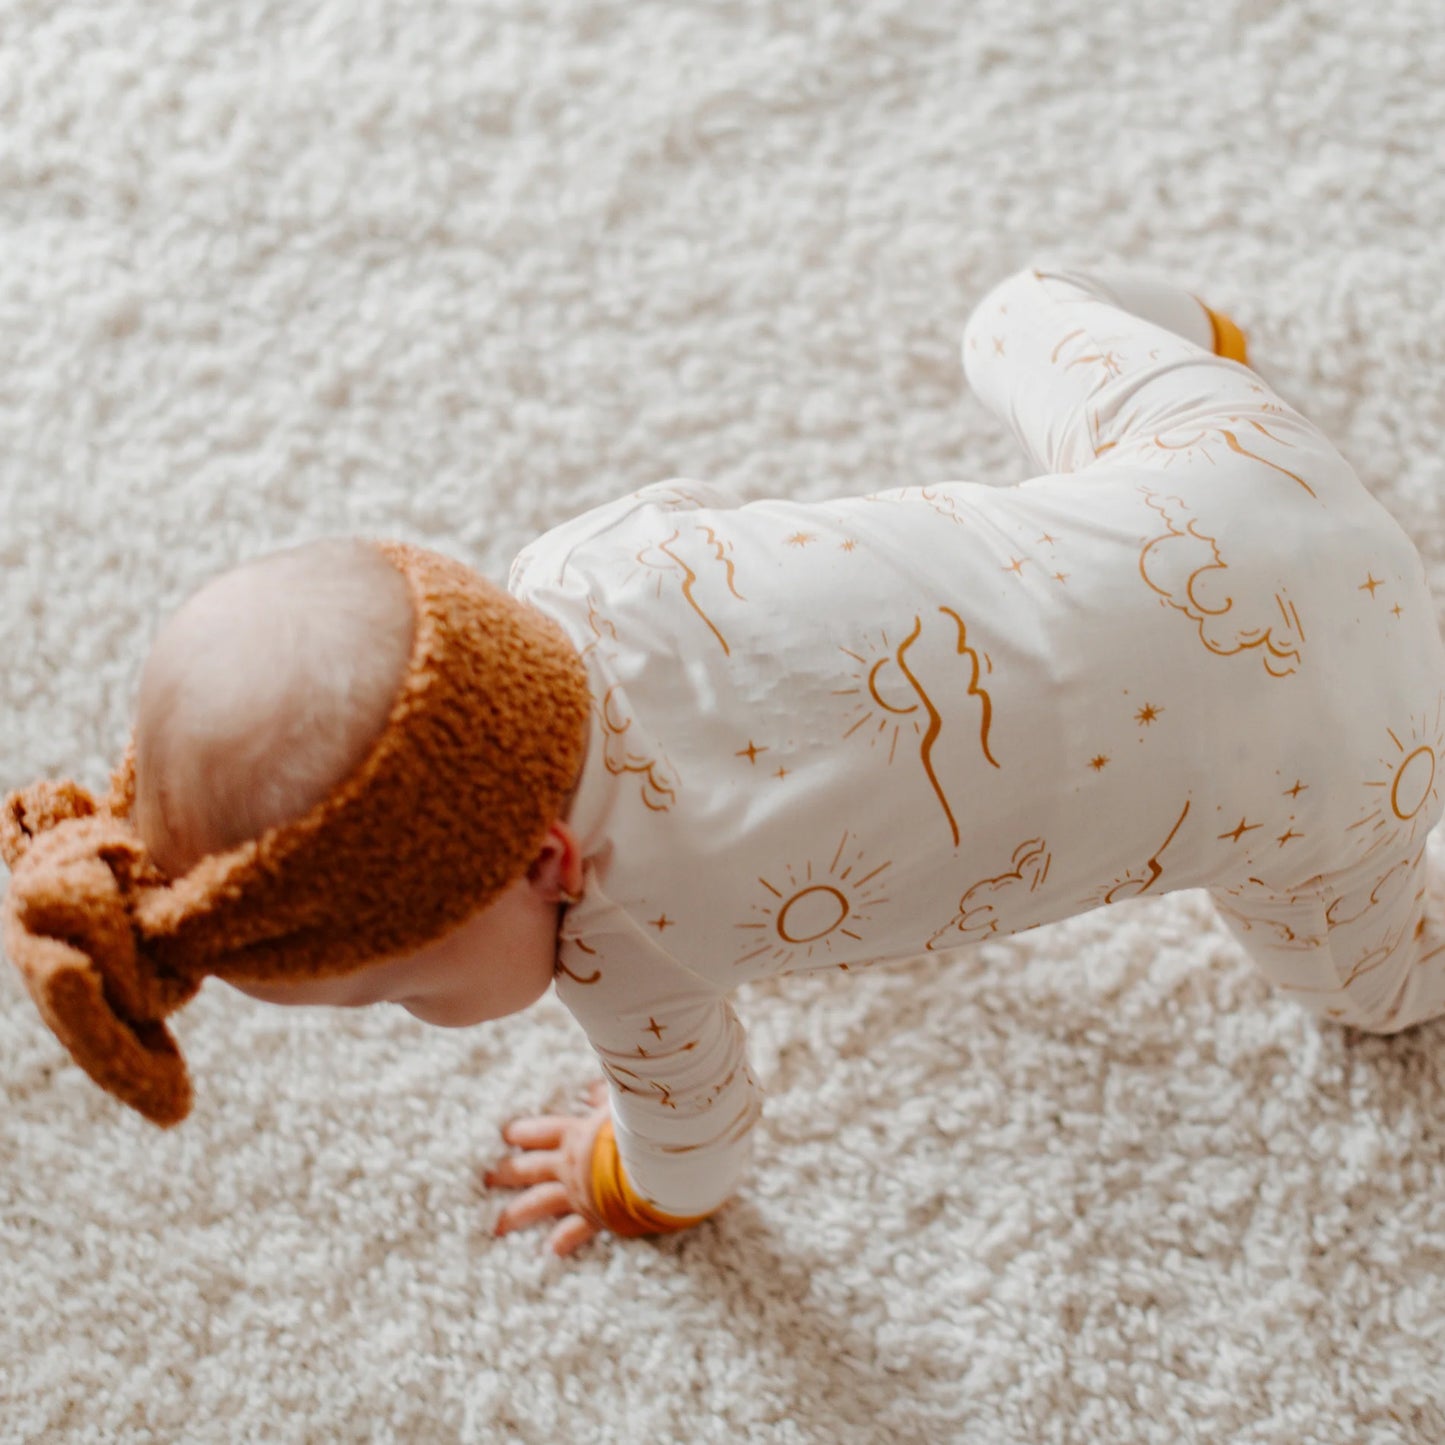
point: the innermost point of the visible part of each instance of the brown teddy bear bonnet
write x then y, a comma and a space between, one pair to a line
483, 743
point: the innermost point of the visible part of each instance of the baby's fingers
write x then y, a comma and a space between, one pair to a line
513, 1172
542, 1131
572, 1233
541, 1201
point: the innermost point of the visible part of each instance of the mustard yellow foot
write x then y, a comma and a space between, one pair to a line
1229, 340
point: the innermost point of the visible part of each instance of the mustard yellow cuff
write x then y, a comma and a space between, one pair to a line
1229, 340
619, 1206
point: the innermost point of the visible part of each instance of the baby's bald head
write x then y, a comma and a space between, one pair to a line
263, 692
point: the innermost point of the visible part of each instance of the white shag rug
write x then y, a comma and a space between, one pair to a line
453, 270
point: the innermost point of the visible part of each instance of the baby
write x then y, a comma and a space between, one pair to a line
699, 742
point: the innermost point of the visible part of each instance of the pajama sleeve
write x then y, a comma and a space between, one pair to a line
683, 1099
544, 561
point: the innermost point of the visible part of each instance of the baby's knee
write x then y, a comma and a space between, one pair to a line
1029, 294
984, 340
1013, 293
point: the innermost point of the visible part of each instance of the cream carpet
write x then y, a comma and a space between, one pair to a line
454, 271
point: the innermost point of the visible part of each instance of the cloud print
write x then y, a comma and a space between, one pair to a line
979, 909
1186, 568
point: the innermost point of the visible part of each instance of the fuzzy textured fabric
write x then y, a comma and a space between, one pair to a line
452, 273
482, 745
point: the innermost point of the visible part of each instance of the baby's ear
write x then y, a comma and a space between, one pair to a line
557, 869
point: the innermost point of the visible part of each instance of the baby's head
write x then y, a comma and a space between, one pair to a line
262, 692
351, 766
260, 696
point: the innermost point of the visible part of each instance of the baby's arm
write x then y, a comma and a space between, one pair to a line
675, 1137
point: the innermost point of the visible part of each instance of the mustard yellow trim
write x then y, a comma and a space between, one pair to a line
619, 1206
1229, 340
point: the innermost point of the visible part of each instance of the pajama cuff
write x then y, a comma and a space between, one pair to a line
1229, 340
619, 1206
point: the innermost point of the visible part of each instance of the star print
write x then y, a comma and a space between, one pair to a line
998, 346
1237, 833
750, 752
653, 1027
1099, 764
1046, 538
1061, 576
1147, 713
1369, 584
1298, 788
1397, 609
847, 546
801, 539
1016, 565
1287, 835
662, 922
781, 773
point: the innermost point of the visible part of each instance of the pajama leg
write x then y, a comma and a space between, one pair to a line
1121, 375
1370, 954
1084, 369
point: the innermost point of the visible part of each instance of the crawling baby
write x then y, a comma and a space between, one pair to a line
698, 742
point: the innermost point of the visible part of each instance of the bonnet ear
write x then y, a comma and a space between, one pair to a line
25, 815
68, 928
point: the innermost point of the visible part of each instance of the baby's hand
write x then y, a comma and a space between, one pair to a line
554, 1170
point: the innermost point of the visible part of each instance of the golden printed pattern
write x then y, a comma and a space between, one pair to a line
1186, 568
878, 694
986, 905
1406, 791
805, 914
1250, 908
1167, 448
620, 753
658, 781
1132, 884
622, 1071
594, 977
1345, 911
673, 551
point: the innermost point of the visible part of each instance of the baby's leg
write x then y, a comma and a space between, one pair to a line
1371, 954
1123, 374
1087, 368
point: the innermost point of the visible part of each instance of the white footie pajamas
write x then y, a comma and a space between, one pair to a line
1194, 653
